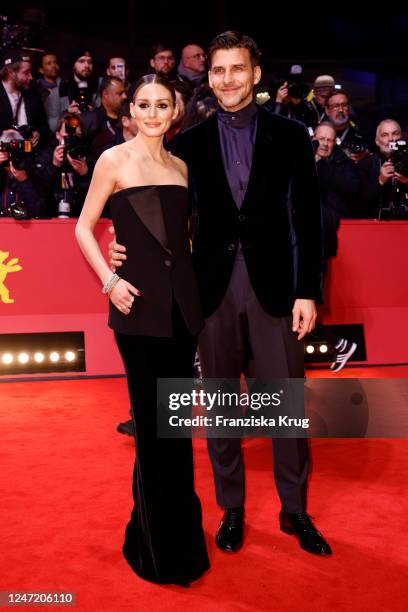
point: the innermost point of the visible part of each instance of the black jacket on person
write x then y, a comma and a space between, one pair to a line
375, 196
340, 184
35, 112
278, 224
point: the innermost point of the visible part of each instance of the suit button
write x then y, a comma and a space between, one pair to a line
231, 247
241, 218
167, 263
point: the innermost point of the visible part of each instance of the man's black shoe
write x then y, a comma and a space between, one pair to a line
230, 533
126, 428
300, 524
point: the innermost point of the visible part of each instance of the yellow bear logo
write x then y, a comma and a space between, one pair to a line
5, 268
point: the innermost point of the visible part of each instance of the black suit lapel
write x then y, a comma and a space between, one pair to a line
265, 159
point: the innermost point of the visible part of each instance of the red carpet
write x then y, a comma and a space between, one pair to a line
66, 497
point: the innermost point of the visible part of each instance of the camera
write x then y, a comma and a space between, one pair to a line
19, 150
357, 144
83, 104
399, 156
297, 89
74, 145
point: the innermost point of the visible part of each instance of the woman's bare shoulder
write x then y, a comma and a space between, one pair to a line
180, 164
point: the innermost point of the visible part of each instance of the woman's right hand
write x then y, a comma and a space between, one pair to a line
123, 295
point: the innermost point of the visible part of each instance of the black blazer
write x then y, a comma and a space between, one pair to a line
152, 222
279, 224
36, 115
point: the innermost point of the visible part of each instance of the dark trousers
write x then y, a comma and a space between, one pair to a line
241, 337
164, 539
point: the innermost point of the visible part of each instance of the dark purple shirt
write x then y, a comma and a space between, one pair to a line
237, 136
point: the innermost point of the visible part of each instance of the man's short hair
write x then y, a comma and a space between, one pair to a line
106, 82
337, 92
231, 40
159, 47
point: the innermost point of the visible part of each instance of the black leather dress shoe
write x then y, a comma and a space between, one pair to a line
300, 524
126, 428
230, 533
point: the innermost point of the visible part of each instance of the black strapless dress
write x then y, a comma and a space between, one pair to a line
164, 539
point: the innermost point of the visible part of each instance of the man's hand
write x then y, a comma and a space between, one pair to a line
79, 165
35, 138
304, 317
401, 178
74, 108
58, 156
386, 172
116, 251
19, 175
282, 93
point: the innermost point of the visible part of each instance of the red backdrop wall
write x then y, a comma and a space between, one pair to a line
57, 291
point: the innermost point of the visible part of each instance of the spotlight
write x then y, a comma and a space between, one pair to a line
310, 349
42, 352
323, 348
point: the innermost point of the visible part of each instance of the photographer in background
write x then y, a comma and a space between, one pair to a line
101, 126
21, 107
80, 91
20, 195
384, 174
339, 179
349, 136
48, 86
291, 100
62, 169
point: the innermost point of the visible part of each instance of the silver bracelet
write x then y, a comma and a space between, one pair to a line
110, 283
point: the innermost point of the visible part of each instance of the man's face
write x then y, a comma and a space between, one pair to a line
113, 96
117, 68
193, 58
338, 110
322, 94
130, 125
22, 77
83, 67
232, 78
387, 131
326, 136
49, 66
163, 62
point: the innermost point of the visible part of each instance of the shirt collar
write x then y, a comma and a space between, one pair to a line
238, 119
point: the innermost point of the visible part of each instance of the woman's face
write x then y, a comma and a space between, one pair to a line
153, 109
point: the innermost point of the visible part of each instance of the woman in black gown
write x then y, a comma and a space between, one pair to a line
155, 314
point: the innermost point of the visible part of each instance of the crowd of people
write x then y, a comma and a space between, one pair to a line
53, 130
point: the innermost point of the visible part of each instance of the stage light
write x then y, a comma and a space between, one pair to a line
310, 349
42, 353
324, 348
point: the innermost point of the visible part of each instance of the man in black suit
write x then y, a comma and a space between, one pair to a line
257, 250
20, 104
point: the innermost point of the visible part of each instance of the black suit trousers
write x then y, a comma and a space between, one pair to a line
241, 337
